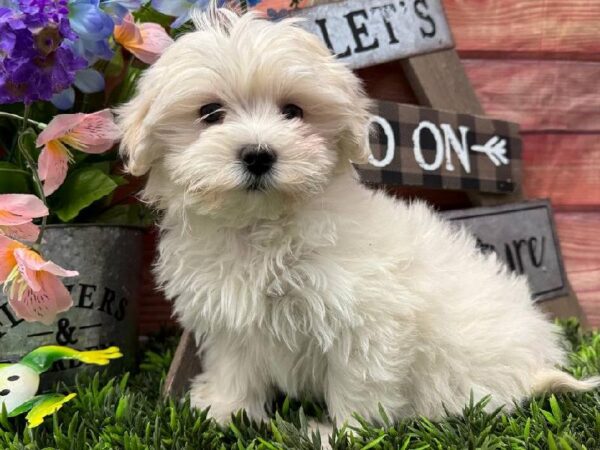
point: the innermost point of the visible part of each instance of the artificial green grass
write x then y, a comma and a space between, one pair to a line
128, 413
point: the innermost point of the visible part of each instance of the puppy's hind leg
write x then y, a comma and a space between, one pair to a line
233, 379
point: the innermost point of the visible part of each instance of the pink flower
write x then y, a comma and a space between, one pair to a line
147, 41
16, 213
89, 133
31, 284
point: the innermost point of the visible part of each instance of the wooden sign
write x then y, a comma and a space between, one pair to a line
443, 150
367, 33
524, 237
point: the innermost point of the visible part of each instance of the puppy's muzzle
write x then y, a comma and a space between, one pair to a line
258, 160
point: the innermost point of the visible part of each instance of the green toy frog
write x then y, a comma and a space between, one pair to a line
19, 382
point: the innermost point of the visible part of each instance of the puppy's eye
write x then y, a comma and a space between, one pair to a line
292, 111
212, 113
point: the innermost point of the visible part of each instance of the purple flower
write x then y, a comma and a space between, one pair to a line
9, 26
36, 59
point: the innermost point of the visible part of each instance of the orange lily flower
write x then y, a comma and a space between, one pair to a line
147, 41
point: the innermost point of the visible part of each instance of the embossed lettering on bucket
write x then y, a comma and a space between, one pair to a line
104, 312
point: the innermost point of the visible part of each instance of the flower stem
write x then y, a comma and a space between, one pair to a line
34, 172
24, 120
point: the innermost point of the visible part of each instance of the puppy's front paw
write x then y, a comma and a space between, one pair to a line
204, 394
325, 430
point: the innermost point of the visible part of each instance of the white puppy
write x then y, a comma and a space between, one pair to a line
294, 275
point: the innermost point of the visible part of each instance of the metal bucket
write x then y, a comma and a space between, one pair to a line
104, 312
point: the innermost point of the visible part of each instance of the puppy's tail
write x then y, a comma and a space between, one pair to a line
554, 380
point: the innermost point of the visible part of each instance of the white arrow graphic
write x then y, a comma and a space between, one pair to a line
495, 149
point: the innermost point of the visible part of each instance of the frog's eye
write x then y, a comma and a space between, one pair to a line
13, 378
4, 392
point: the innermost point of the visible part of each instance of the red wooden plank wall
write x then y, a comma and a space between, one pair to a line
535, 62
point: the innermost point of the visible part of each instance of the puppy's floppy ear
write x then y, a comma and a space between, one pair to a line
138, 149
354, 139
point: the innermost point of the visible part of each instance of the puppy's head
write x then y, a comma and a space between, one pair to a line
243, 117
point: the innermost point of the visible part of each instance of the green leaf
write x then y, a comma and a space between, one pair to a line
152, 15
104, 166
276, 433
386, 420
549, 417
374, 442
267, 444
122, 408
127, 86
564, 444
115, 65
119, 179
405, 444
235, 430
13, 179
81, 188
173, 418
555, 409
551, 441
132, 214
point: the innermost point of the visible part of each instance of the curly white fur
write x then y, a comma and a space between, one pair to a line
316, 285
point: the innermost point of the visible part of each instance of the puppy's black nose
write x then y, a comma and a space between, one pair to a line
258, 159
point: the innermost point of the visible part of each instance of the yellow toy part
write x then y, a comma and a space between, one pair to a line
42, 358
19, 382
41, 406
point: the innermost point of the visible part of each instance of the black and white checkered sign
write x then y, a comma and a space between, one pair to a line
419, 146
